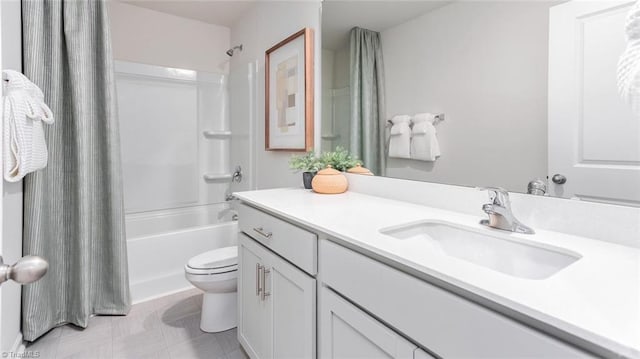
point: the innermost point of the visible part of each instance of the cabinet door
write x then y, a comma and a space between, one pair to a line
252, 311
348, 332
293, 310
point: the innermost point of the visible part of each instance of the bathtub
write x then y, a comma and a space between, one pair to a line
157, 258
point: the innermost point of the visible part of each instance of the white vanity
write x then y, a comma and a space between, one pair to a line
356, 275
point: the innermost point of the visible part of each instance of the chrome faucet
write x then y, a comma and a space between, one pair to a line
500, 214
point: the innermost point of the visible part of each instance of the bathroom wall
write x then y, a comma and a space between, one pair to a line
167, 40
327, 87
11, 211
341, 67
263, 26
484, 65
336, 99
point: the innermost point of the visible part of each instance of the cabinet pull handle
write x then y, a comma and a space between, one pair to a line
260, 231
258, 275
265, 294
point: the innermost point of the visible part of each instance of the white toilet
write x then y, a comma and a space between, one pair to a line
215, 272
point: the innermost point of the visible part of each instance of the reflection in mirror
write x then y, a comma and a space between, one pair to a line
521, 95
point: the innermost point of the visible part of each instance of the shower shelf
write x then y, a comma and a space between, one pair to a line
217, 176
216, 134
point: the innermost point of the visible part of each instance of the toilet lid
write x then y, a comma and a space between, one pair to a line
217, 258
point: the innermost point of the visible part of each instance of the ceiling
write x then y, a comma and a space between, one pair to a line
339, 16
218, 12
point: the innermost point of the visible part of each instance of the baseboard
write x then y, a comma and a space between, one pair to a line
159, 287
18, 346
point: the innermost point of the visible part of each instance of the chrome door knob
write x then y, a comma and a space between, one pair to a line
26, 270
559, 179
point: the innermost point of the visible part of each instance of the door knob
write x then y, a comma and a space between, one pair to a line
26, 270
559, 179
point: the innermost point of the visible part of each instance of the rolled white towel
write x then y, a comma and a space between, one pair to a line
400, 137
25, 149
424, 143
629, 64
421, 117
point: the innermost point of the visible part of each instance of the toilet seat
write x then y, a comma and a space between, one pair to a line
217, 261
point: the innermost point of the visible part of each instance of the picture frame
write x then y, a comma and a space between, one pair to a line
289, 105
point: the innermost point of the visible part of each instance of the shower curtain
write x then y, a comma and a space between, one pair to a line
367, 140
73, 209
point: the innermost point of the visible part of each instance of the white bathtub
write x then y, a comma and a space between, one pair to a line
156, 261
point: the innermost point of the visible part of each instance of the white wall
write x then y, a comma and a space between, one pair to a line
336, 100
263, 26
327, 87
341, 67
484, 65
155, 38
11, 240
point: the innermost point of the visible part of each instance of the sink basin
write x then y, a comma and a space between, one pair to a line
485, 248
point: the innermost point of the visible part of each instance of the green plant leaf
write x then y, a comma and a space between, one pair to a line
340, 159
308, 162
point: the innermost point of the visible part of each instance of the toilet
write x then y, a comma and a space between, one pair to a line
216, 273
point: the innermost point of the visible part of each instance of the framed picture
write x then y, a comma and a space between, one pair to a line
289, 94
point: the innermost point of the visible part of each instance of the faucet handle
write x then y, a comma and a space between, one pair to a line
498, 195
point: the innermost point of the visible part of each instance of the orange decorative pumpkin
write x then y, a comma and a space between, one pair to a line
329, 181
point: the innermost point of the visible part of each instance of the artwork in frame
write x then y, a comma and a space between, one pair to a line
289, 94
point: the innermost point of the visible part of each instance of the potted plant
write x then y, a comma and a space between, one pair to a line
309, 164
340, 159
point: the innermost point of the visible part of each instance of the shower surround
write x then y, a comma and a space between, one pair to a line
176, 169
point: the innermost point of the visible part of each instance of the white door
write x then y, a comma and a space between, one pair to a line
11, 204
1, 182
594, 140
348, 332
292, 297
252, 309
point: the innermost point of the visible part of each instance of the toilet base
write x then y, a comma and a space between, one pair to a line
219, 312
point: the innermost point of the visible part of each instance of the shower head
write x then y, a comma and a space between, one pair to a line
233, 49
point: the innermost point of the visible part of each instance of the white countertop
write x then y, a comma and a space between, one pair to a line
597, 298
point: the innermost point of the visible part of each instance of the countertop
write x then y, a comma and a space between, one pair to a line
595, 299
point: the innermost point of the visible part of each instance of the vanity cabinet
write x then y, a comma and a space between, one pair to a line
277, 300
448, 325
367, 307
348, 332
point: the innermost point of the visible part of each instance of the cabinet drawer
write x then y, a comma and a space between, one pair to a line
293, 243
447, 324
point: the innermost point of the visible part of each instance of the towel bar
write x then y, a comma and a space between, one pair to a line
436, 119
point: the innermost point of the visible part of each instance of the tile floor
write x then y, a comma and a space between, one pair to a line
168, 327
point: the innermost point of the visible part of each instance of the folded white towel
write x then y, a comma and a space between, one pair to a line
629, 64
25, 149
400, 137
424, 143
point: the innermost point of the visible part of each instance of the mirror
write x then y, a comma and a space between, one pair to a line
506, 93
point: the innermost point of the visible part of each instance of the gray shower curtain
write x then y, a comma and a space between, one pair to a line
73, 209
368, 139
